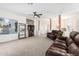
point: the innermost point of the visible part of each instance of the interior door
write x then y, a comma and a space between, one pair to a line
30, 30
22, 31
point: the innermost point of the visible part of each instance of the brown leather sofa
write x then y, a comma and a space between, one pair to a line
64, 46
54, 34
58, 48
73, 47
51, 36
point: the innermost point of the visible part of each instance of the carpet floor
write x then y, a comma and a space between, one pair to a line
32, 46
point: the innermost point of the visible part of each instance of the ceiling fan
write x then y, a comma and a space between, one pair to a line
36, 14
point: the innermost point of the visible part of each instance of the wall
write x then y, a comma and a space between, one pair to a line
77, 21
77, 24
10, 15
30, 22
70, 23
71, 20
9, 37
55, 23
44, 25
41, 25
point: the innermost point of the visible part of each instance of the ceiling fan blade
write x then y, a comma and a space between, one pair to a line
40, 14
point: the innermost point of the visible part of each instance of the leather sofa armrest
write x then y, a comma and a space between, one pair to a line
54, 51
67, 54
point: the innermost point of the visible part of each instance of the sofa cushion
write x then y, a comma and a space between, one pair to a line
51, 36
58, 40
73, 49
54, 51
76, 39
55, 31
73, 34
56, 48
62, 38
69, 41
59, 45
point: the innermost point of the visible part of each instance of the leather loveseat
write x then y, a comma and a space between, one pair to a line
54, 34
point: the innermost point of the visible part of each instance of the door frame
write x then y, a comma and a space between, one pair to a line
22, 30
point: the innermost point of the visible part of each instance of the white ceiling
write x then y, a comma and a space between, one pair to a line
47, 9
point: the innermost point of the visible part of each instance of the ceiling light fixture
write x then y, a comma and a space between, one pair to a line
30, 3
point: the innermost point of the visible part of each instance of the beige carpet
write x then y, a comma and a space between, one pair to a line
33, 46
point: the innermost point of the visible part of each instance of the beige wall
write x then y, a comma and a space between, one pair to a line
74, 22
44, 25
10, 15
55, 23
64, 22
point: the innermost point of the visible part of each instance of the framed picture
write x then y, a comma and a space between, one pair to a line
8, 26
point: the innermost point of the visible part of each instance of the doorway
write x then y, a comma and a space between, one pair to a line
30, 30
30, 27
